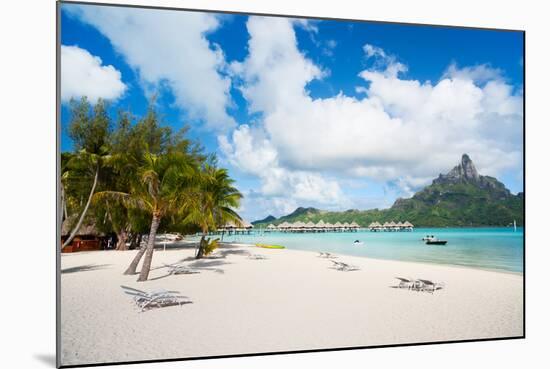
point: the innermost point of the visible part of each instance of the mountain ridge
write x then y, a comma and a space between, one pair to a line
462, 197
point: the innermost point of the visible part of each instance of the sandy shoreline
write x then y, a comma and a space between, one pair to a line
293, 300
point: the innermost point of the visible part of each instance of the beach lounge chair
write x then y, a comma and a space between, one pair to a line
257, 257
429, 286
327, 255
155, 299
180, 269
343, 267
405, 283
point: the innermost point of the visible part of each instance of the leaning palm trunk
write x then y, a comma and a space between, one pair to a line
144, 274
202, 245
122, 236
133, 265
63, 210
75, 230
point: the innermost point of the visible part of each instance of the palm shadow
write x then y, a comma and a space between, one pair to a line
84, 268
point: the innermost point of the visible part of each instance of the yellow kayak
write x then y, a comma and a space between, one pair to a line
269, 246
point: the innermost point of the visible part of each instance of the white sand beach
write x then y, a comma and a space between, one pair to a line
292, 300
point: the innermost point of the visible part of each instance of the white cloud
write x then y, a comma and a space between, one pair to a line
275, 71
374, 51
384, 61
169, 47
83, 74
250, 151
478, 73
401, 130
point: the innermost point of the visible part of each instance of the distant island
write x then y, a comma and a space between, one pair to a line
460, 198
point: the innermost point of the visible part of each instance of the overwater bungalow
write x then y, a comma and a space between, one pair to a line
283, 226
391, 226
320, 226
244, 227
407, 226
375, 227
296, 227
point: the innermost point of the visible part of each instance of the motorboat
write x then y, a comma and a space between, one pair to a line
435, 241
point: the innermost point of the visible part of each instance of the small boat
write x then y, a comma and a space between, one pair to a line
357, 242
435, 241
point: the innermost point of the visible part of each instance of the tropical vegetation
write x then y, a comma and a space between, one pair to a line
137, 177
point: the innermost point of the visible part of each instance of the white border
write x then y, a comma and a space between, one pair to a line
27, 182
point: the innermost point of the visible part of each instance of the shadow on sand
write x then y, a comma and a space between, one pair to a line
84, 268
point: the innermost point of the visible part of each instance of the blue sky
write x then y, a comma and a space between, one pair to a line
330, 114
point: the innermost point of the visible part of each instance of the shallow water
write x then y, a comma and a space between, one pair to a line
485, 248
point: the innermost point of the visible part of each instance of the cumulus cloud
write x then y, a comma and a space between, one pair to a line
170, 48
83, 74
383, 61
249, 150
400, 131
478, 73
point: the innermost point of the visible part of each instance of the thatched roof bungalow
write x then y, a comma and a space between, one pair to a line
87, 238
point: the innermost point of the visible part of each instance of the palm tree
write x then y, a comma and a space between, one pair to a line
90, 165
90, 130
213, 203
163, 188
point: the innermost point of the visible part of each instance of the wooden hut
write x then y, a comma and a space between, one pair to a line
283, 226
320, 226
88, 237
408, 226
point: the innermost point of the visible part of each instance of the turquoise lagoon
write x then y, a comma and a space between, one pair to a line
499, 249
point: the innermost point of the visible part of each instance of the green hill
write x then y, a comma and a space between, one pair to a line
461, 197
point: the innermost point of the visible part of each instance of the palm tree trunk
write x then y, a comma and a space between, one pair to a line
75, 230
200, 253
63, 209
122, 236
144, 274
133, 265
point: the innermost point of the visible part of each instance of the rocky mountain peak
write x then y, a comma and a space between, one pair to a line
465, 171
